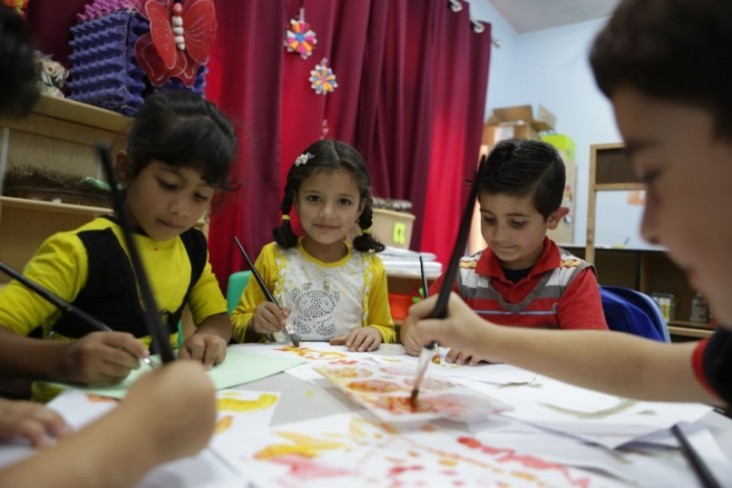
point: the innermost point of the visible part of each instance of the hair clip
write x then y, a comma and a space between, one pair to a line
303, 158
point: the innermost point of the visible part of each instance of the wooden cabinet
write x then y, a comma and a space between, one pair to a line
58, 135
650, 271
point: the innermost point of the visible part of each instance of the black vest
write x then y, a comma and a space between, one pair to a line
110, 293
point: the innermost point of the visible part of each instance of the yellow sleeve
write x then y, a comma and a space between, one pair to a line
253, 294
206, 297
379, 313
60, 265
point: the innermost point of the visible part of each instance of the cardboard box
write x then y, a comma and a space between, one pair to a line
393, 228
543, 119
519, 130
563, 143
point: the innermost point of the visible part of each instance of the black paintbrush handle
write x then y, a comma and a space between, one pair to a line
440, 310
158, 332
425, 293
700, 468
256, 274
55, 299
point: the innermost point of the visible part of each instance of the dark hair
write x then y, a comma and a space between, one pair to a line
180, 128
329, 155
18, 88
521, 167
673, 50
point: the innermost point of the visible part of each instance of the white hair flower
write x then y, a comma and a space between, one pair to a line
303, 158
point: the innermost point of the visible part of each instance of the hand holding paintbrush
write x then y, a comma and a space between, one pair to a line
440, 309
293, 337
67, 307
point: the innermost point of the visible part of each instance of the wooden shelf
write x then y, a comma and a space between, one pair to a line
44, 206
694, 332
82, 114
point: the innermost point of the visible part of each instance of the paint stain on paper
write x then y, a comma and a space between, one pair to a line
307, 353
229, 404
623, 405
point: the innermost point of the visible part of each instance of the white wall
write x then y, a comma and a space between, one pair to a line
551, 68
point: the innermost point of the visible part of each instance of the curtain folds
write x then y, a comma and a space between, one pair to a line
412, 81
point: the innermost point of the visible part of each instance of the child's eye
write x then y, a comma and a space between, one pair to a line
312, 198
166, 185
489, 220
346, 202
518, 225
202, 198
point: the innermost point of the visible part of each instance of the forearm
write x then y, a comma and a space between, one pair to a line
612, 362
30, 357
76, 462
218, 324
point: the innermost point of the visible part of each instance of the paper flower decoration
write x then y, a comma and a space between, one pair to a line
18, 5
322, 79
299, 38
180, 38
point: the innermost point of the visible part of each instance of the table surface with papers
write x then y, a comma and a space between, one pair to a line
301, 427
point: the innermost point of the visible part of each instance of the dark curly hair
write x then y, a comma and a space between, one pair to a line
18, 88
329, 155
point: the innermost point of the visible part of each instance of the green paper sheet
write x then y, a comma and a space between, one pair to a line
238, 368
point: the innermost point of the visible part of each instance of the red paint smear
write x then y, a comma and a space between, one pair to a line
509, 455
397, 470
307, 469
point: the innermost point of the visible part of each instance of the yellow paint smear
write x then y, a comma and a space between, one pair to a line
265, 400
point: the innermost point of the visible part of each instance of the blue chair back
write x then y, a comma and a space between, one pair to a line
632, 311
237, 282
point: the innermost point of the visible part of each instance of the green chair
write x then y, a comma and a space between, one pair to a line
237, 282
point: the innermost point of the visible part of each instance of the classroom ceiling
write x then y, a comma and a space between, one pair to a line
534, 15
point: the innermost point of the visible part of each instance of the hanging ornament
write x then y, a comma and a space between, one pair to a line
299, 37
179, 40
324, 129
322, 79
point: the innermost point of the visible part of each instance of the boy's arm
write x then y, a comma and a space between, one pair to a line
612, 362
169, 413
580, 306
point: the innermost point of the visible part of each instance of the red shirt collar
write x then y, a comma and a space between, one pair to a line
488, 264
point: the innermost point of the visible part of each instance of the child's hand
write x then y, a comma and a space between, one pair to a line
174, 407
101, 357
269, 318
410, 340
209, 349
361, 339
461, 329
457, 356
32, 421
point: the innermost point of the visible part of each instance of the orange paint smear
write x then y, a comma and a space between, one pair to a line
265, 400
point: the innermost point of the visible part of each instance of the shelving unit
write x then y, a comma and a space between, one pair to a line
646, 270
57, 135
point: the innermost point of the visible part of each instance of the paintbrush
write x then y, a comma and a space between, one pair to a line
158, 331
59, 302
440, 310
293, 337
700, 468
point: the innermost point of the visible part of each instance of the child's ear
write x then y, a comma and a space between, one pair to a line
556, 217
123, 167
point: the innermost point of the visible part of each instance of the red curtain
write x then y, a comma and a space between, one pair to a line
412, 81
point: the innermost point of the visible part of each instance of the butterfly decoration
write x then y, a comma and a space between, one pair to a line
180, 38
299, 38
322, 79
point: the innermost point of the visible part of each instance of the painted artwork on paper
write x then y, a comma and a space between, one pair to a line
385, 390
349, 450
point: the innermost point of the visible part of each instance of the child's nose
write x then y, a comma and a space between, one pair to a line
178, 206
